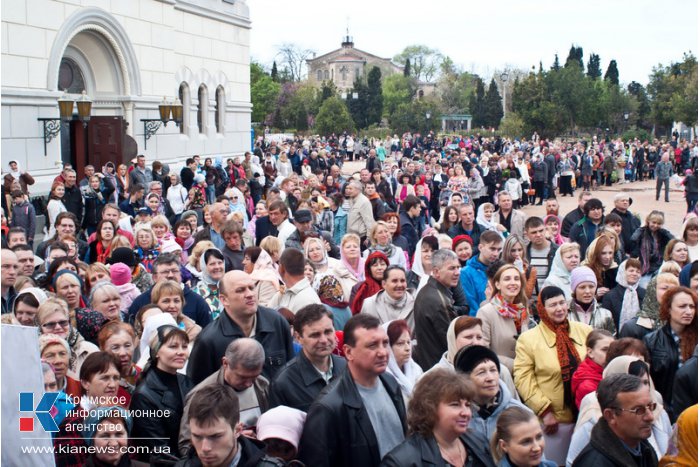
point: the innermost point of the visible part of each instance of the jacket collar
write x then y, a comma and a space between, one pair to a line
606, 442
550, 337
263, 323
310, 374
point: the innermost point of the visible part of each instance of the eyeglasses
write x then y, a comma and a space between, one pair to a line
53, 324
641, 410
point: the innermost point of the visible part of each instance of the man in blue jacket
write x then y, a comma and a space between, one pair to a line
473, 275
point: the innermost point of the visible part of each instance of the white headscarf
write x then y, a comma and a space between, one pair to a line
481, 220
150, 327
406, 376
630, 302
417, 267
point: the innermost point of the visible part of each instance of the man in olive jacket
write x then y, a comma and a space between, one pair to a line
359, 419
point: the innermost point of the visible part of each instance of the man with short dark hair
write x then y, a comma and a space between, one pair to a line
375, 200
66, 225
217, 439
467, 224
25, 259
10, 271
135, 200
584, 231
243, 317
232, 232
619, 439
362, 417
473, 275
411, 226
433, 309
512, 219
16, 236
304, 223
141, 174
167, 267
299, 383
241, 369
539, 251
187, 173
575, 215
73, 198
278, 213
298, 292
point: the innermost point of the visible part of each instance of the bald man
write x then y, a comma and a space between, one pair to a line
10, 271
243, 317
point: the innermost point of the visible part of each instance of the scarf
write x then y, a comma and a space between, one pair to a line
650, 306
369, 287
481, 220
206, 278
388, 249
358, 272
515, 311
103, 253
566, 350
406, 376
330, 292
320, 265
683, 449
630, 300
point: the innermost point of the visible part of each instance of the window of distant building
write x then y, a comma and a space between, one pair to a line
357, 73
344, 73
220, 113
319, 75
325, 74
202, 108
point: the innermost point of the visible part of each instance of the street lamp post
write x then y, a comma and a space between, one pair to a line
626, 115
504, 78
52, 126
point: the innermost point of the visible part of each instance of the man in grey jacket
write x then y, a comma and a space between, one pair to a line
663, 171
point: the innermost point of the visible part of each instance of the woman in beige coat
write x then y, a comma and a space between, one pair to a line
259, 265
505, 316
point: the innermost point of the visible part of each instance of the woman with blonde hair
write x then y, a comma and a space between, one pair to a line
122, 178
506, 315
273, 246
146, 247
677, 251
161, 228
168, 296
53, 318
690, 237
351, 268
380, 240
514, 253
259, 265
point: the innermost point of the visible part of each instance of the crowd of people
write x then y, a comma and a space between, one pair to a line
271, 310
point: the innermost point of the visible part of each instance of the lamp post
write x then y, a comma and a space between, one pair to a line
52, 126
626, 115
165, 109
504, 78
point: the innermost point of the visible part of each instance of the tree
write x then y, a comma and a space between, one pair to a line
555, 65
672, 94
333, 117
407, 68
455, 90
412, 116
611, 74
294, 60
642, 118
375, 100
493, 106
263, 93
512, 126
594, 71
359, 107
273, 73
477, 104
396, 90
575, 57
424, 61
328, 89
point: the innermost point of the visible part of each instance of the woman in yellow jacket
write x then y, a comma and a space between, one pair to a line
545, 360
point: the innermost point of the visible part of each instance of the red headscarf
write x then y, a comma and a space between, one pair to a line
369, 286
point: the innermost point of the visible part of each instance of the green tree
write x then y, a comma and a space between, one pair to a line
375, 100
407, 68
424, 61
358, 107
512, 126
555, 65
273, 72
333, 117
594, 71
493, 106
575, 57
328, 89
673, 97
396, 90
413, 116
611, 74
263, 93
455, 90
477, 104
642, 118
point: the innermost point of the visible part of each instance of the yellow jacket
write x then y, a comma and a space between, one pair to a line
536, 369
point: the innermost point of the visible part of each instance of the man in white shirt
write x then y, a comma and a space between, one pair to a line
298, 291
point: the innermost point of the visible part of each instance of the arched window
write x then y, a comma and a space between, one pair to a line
184, 95
202, 108
325, 74
344, 73
220, 115
357, 73
319, 75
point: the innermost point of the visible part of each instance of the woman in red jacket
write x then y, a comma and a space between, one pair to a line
590, 372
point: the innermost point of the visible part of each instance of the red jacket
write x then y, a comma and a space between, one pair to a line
585, 380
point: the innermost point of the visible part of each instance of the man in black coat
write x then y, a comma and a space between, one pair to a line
630, 222
359, 419
167, 267
619, 439
575, 215
685, 386
242, 318
307, 374
73, 198
187, 173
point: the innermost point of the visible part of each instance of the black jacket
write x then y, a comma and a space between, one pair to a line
433, 312
298, 383
94, 205
271, 330
73, 201
569, 220
606, 450
338, 431
419, 451
630, 223
263, 228
685, 386
613, 302
410, 231
152, 394
475, 235
187, 178
664, 362
195, 306
252, 455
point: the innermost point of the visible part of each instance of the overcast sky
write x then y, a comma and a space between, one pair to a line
483, 36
